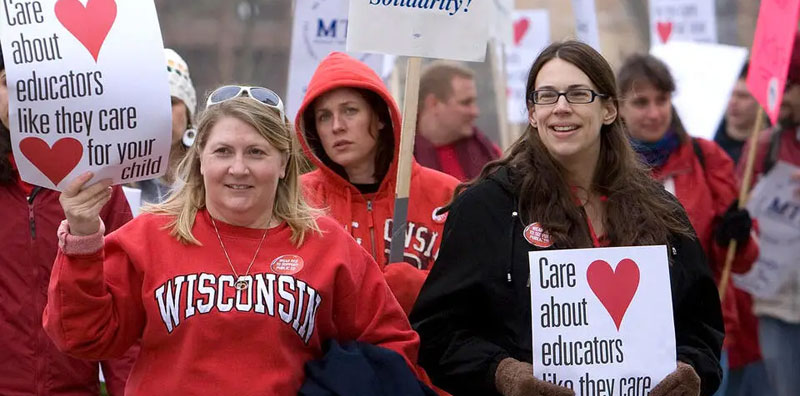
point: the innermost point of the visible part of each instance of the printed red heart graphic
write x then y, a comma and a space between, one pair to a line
56, 162
664, 30
615, 289
520, 28
90, 24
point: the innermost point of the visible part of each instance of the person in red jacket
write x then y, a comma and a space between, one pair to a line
697, 171
31, 364
233, 283
349, 127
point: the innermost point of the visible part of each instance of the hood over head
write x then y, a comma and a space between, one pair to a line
338, 70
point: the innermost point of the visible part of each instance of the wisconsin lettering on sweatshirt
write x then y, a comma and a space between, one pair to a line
293, 300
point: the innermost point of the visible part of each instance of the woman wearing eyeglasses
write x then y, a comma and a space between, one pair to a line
701, 175
232, 284
349, 126
574, 177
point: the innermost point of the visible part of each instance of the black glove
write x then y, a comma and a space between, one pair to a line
735, 224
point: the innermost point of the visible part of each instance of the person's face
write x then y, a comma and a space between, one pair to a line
647, 112
240, 171
789, 112
568, 130
742, 107
180, 120
4, 99
347, 128
457, 114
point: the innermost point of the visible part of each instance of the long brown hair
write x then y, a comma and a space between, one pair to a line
638, 210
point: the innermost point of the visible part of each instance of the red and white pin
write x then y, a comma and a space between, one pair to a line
288, 264
438, 218
537, 236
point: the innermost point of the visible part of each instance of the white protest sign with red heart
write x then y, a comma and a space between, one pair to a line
682, 20
531, 36
602, 319
87, 89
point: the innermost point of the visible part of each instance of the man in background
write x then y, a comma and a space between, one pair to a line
447, 139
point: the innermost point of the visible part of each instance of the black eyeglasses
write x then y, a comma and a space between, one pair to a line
574, 96
262, 95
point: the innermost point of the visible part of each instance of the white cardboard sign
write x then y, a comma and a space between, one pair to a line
586, 22
320, 27
704, 76
531, 36
602, 319
682, 20
500, 27
446, 29
776, 207
87, 90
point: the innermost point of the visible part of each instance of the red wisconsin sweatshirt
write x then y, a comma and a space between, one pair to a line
199, 335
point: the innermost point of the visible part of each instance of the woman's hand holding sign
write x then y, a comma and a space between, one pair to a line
515, 378
82, 205
684, 381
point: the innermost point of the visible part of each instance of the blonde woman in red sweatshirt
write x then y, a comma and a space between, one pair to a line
233, 283
349, 126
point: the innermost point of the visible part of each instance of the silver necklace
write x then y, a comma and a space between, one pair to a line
240, 283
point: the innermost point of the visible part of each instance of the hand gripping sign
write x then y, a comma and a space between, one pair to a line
602, 319
87, 89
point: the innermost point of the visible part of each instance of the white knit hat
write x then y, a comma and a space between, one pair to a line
180, 83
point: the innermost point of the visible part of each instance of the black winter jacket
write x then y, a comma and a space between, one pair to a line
475, 308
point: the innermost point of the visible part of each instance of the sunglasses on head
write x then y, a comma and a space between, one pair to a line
262, 95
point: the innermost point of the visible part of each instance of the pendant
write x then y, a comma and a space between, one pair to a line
240, 284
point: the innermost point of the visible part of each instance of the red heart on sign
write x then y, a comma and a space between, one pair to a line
520, 28
90, 24
614, 289
56, 162
664, 30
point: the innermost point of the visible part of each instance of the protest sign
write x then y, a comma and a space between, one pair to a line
586, 22
320, 27
500, 27
704, 76
87, 90
776, 207
447, 29
682, 20
772, 52
531, 36
602, 319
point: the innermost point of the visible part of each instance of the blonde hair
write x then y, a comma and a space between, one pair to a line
189, 196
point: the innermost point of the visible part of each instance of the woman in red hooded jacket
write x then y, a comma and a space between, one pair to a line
349, 127
697, 171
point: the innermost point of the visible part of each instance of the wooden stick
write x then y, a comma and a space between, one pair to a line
743, 194
501, 100
409, 128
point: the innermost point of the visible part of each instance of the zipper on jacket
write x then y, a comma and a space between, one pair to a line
371, 226
31, 218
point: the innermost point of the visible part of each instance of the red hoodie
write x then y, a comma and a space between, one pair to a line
199, 335
368, 217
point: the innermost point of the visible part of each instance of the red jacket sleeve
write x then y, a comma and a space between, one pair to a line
405, 281
94, 309
369, 313
722, 181
115, 214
